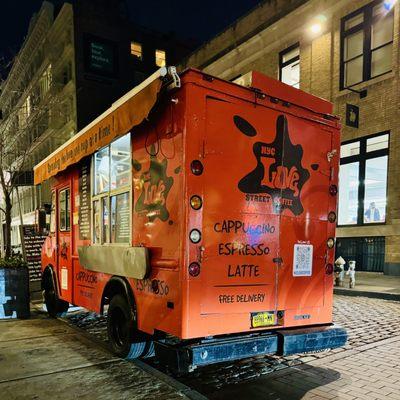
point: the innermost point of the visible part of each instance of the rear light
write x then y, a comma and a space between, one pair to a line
196, 202
332, 217
195, 236
194, 269
330, 243
329, 269
197, 167
333, 190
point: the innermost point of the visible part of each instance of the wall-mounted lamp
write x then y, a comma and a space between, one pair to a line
316, 28
317, 25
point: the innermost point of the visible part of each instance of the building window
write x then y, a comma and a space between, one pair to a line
363, 180
161, 58
111, 193
366, 44
136, 50
289, 66
45, 81
64, 210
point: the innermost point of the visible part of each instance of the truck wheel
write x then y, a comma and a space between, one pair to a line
55, 306
125, 340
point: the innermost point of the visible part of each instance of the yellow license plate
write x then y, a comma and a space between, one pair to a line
263, 319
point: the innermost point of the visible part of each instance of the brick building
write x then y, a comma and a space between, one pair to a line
78, 57
345, 51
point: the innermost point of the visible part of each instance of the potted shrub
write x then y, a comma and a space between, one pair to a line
14, 288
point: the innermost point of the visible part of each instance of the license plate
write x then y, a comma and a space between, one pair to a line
262, 319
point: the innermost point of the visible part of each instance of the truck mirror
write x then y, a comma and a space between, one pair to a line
41, 220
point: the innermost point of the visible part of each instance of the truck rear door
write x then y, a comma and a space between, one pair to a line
241, 219
304, 226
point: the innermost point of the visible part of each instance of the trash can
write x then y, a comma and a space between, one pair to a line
14, 291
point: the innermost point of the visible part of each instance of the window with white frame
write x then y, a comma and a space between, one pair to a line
363, 180
289, 66
111, 192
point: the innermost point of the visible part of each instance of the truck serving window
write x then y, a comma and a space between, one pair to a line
64, 209
111, 194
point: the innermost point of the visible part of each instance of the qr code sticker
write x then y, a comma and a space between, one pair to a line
302, 260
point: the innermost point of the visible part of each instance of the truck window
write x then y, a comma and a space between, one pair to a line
96, 222
120, 217
102, 168
112, 192
53, 213
64, 209
106, 219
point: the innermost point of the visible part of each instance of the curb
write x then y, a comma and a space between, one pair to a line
364, 293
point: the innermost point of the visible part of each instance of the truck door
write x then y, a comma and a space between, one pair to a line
240, 216
64, 242
304, 225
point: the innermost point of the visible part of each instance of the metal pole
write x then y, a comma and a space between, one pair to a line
21, 219
1, 235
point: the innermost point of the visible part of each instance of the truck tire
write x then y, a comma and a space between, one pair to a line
125, 340
55, 306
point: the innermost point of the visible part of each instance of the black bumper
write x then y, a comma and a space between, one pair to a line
187, 357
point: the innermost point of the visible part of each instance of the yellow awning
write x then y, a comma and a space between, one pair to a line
129, 111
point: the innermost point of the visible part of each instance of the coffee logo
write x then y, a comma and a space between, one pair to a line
279, 172
155, 186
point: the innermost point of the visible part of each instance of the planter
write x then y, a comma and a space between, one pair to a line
14, 292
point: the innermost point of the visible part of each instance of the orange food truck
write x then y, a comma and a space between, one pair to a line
199, 214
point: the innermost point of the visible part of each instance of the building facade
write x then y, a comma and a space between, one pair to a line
77, 59
346, 51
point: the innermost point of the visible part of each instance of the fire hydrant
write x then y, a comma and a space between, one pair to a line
339, 271
351, 272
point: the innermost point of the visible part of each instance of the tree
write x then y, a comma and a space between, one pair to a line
13, 157
17, 139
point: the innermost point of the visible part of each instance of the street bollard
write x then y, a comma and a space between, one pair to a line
339, 271
352, 274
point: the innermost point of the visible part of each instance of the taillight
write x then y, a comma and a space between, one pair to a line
197, 167
195, 236
330, 243
329, 269
196, 202
333, 190
332, 216
194, 269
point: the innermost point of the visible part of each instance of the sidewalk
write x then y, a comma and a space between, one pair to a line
43, 358
372, 284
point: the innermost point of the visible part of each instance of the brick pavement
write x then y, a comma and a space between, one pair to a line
370, 372
372, 325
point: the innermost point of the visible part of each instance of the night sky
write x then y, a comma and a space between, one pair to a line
190, 19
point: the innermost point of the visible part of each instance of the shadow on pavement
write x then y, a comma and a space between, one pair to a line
288, 384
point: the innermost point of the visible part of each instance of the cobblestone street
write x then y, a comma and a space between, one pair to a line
373, 327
